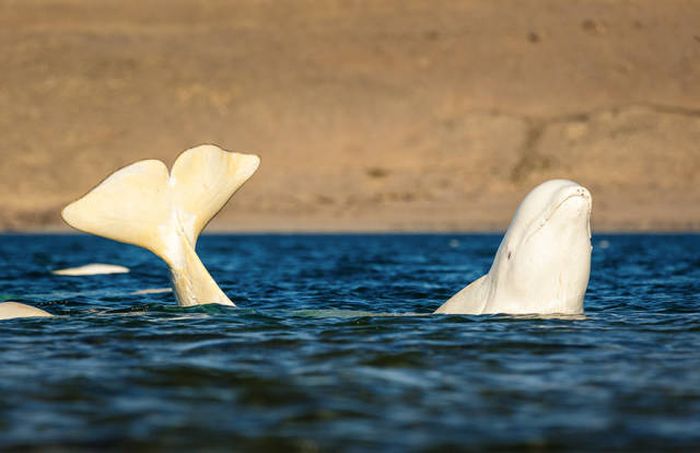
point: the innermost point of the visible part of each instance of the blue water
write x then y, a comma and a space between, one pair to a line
333, 349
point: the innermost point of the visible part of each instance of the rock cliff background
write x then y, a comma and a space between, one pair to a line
368, 115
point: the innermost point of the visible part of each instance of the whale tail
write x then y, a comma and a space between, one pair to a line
144, 205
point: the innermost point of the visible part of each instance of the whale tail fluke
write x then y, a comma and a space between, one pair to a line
203, 180
144, 205
131, 206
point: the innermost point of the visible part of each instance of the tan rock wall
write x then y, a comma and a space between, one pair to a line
395, 114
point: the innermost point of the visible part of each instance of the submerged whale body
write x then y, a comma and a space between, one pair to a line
92, 269
543, 263
145, 205
12, 310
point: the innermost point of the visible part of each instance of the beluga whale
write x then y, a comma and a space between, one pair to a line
543, 263
164, 212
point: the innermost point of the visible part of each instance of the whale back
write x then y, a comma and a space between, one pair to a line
12, 310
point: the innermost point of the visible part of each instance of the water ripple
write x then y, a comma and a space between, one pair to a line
333, 348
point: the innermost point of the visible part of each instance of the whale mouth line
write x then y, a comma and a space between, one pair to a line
553, 211
561, 203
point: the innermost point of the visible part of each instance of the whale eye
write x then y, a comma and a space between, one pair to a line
509, 254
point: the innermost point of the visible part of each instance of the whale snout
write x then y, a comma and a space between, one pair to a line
584, 203
574, 201
583, 192
579, 193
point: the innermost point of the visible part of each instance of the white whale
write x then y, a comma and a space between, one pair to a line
543, 263
92, 269
144, 205
12, 310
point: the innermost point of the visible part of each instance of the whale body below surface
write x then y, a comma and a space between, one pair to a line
92, 269
12, 310
543, 263
145, 205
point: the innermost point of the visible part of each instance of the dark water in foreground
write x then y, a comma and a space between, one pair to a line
311, 361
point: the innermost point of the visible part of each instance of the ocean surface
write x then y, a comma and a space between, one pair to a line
333, 348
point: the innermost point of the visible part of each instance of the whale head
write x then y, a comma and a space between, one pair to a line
543, 262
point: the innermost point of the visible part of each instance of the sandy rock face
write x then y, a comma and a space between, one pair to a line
400, 114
